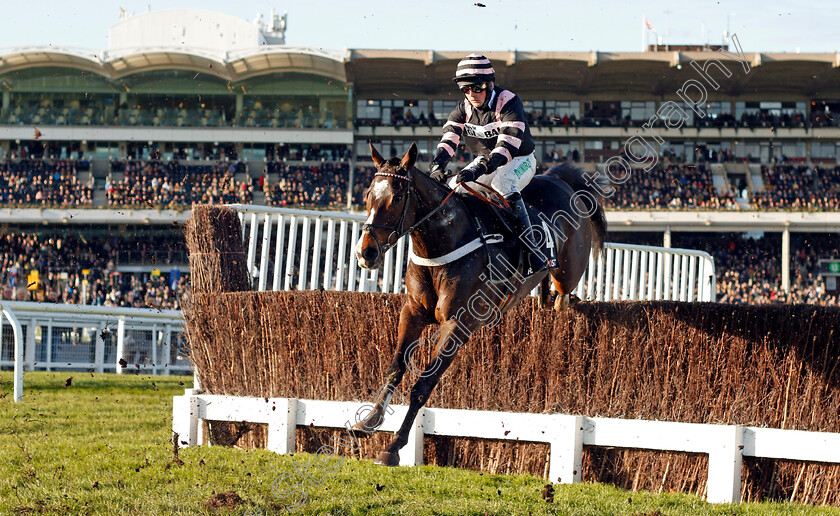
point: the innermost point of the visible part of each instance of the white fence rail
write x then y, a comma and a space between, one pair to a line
17, 357
81, 337
726, 445
304, 249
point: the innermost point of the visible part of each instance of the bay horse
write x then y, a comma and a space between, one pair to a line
450, 279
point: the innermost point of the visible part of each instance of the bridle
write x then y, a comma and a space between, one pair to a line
397, 229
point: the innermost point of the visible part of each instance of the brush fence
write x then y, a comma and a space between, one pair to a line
726, 445
303, 249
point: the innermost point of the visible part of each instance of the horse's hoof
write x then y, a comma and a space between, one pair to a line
561, 303
387, 459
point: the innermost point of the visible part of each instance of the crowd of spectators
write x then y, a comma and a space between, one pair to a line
266, 112
173, 184
82, 270
276, 155
760, 119
767, 119
153, 183
683, 186
38, 182
689, 186
179, 116
400, 118
320, 185
364, 176
799, 188
541, 119
750, 272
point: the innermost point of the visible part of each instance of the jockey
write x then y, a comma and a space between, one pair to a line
492, 122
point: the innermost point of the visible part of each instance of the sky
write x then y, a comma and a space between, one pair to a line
524, 25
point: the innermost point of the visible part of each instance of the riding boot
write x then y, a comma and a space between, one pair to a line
524, 231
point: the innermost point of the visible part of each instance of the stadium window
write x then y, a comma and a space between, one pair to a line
368, 109
570, 108
716, 109
362, 148
638, 110
424, 150
251, 153
442, 108
822, 150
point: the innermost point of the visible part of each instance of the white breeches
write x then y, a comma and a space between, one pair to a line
507, 179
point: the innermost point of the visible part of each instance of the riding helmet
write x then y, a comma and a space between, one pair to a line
474, 69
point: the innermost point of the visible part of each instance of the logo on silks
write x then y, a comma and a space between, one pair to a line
522, 168
480, 131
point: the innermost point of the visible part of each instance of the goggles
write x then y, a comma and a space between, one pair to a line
475, 88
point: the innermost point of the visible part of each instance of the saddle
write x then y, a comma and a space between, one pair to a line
495, 225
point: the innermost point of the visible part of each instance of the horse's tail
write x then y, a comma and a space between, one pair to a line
594, 185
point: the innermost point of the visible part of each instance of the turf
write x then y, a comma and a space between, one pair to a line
101, 445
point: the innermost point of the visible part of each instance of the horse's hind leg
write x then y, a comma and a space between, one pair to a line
562, 301
413, 318
545, 294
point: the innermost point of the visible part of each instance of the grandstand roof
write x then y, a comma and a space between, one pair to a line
231, 66
185, 39
373, 71
577, 73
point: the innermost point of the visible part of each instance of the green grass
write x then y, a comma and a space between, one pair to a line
101, 446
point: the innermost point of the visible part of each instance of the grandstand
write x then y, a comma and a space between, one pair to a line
103, 152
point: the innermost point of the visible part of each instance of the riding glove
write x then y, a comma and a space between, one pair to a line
473, 171
437, 173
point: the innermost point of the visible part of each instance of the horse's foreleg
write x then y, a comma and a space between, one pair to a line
413, 319
420, 395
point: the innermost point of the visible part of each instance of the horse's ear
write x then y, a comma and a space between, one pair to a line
410, 157
378, 160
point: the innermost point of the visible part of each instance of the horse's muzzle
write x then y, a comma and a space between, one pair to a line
367, 253
369, 258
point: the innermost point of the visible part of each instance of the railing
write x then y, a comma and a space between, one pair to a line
726, 445
641, 272
305, 249
85, 337
17, 331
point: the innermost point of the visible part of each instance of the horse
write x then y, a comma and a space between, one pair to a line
450, 279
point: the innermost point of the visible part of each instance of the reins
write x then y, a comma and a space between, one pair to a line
502, 203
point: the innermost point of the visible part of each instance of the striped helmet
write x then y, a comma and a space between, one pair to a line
474, 69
